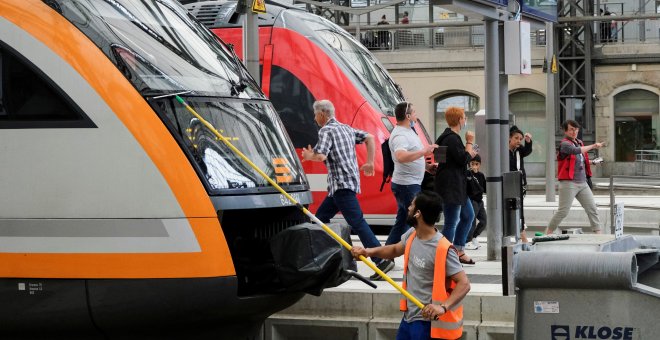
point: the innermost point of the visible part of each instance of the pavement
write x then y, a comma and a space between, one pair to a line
485, 276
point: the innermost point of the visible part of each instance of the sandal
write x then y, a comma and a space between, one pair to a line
462, 259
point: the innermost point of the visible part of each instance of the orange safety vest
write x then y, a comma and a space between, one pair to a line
566, 165
450, 324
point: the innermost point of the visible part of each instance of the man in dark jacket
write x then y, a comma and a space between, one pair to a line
517, 154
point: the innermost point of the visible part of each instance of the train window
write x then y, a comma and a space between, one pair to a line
293, 101
29, 99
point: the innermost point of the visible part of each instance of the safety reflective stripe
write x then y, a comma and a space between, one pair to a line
450, 324
447, 325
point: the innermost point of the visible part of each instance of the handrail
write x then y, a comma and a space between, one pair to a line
612, 196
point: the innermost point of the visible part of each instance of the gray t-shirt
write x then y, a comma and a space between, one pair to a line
421, 266
410, 172
568, 148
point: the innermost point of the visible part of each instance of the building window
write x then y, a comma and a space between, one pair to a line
528, 110
635, 123
467, 102
29, 99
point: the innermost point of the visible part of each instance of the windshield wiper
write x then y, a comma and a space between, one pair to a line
166, 95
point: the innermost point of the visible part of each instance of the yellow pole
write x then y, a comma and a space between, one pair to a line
300, 206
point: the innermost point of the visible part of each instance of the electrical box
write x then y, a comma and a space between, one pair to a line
517, 48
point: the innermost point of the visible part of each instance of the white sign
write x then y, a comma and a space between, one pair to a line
517, 48
618, 220
546, 307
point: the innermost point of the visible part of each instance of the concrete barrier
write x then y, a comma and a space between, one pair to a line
374, 315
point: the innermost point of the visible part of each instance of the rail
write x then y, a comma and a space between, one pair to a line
447, 34
647, 162
646, 186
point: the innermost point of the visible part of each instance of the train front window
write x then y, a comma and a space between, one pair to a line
251, 126
159, 47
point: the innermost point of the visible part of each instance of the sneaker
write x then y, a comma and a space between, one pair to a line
472, 245
385, 266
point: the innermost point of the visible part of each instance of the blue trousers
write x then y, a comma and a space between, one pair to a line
404, 195
458, 222
416, 330
345, 201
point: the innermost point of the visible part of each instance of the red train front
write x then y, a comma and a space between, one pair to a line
304, 58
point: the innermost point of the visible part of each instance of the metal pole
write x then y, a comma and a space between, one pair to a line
494, 172
504, 105
612, 204
550, 111
251, 44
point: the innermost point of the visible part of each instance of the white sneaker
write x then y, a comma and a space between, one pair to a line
473, 245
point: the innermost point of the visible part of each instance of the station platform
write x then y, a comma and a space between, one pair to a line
354, 310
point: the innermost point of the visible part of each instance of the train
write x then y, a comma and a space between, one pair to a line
121, 215
304, 57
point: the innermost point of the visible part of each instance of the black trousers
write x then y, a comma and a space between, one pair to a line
479, 215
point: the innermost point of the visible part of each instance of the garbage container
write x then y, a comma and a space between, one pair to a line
589, 287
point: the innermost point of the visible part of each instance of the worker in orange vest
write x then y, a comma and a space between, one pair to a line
432, 273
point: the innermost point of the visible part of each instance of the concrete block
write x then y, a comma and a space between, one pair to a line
334, 303
498, 308
291, 327
386, 305
384, 328
496, 331
498, 315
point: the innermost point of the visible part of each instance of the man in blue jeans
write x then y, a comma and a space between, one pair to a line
336, 147
409, 166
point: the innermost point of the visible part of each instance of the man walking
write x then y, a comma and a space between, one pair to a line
573, 169
432, 273
409, 166
336, 147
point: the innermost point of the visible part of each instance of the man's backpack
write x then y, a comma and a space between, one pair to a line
388, 163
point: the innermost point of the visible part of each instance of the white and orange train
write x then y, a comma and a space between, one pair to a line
121, 216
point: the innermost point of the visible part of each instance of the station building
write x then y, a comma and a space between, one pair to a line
608, 81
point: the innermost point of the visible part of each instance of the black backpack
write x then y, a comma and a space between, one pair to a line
388, 163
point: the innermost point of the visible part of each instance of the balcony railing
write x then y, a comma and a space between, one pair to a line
428, 36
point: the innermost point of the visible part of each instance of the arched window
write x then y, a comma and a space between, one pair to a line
467, 102
635, 123
528, 109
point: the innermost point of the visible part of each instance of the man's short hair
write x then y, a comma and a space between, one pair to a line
453, 115
324, 106
402, 110
570, 122
429, 204
513, 130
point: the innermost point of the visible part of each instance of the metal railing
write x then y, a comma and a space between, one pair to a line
428, 36
647, 162
649, 183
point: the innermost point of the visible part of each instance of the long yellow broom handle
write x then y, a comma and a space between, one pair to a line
300, 206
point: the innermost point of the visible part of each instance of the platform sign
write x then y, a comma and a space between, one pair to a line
258, 6
618, 220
